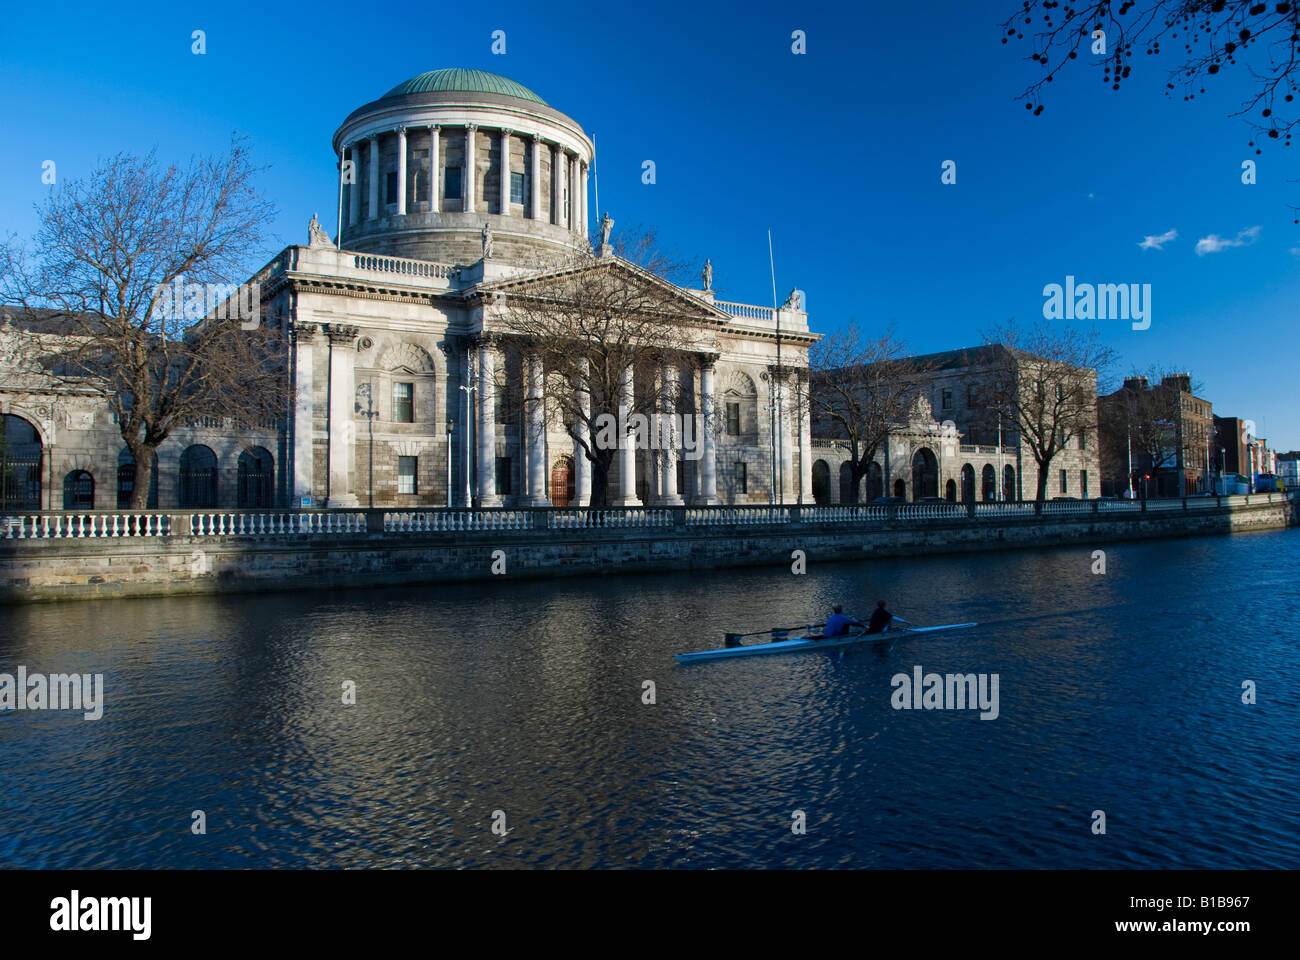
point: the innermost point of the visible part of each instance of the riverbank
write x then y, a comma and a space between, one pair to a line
63, 557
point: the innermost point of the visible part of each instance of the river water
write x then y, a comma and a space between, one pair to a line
521, 704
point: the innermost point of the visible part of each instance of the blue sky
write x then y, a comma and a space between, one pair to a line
837, 151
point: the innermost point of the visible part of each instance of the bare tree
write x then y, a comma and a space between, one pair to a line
593, 322
1044, 383
860, 388
1208, 36
128, 293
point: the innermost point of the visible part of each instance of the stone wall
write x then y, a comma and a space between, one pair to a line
86, 568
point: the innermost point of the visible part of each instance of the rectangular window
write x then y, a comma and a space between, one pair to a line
947, 399
503, 476
391, 187
403, 407
451, 183
516, 188
421, 186
733, 419
972, 397
406, 468
1083, 439
742, 478
1065, 483
1083, 483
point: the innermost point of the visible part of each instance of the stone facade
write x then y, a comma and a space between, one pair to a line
951, 446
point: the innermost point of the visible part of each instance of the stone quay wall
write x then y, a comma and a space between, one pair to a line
64, 556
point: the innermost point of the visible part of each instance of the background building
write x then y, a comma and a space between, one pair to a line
1164, 431
954, 445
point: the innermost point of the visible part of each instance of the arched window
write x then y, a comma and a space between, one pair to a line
738, 407
1008, 482
848, 489
256, 479
967, 483
925, 474
875, 481
20, 464
988, 480
126, 481
821, 482
900, 488
78, 491
950, 492
198, 477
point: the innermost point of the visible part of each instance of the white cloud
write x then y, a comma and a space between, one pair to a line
1214, 243
1158, 243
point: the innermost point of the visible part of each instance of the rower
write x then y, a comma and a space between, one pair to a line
838, 624
880, 618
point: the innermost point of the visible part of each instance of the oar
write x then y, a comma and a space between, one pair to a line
768, 633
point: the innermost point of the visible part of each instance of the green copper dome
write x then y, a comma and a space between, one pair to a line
468, 81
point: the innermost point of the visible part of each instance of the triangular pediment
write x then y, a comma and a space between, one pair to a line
553, 283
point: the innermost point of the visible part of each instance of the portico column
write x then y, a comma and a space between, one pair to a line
535, 178
487, 426
435, 173
557, 185
709, 461
626, 446
342, 427
803, 412
304, 344
669, 495
354, 188
374, 177
584, 225
574, 188
470, 167
536, 434
784, 446
505, 172
581, 466
401, 171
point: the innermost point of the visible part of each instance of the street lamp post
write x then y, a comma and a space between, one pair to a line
1129, 435
469, 429
451, 429
1001, 492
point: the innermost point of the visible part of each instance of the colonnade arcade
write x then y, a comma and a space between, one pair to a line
437, 169
683, 385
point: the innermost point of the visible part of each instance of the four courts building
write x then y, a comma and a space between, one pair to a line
461, 190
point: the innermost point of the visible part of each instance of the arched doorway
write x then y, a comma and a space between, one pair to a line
126, 481
900, 488
78, 491
1008, 482
20, 464
988, 480
256, 479
198, 477
925, 474
967, 483
848, 489
951, 492
821, 477
562, 482
875, 481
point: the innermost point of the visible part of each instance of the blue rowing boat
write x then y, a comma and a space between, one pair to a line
810, 641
